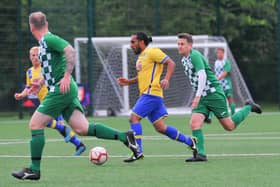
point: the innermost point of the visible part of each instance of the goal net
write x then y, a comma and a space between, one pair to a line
113, 58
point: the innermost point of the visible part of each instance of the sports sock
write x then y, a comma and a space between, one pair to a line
36, 148
174, 134
232, 108
200, 141
239, 116
75, 140
56, 125
105, 132
137, 128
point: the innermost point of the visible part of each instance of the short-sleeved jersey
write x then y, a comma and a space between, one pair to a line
149, 68
52, 59
195, 62
33, 74
220, 67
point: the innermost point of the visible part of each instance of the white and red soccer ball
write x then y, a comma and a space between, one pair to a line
98, 155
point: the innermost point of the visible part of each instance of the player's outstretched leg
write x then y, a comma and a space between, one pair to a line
250, 106
105, 132
254, 107
174, 134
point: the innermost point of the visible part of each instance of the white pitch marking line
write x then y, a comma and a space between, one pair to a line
147, 138
158, 156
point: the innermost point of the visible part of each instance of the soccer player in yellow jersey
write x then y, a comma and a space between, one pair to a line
33, 74
149, 66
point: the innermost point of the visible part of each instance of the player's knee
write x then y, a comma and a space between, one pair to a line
161, 128
227, 124
133, 119
35, 126
194, 125
80, 132
229, 128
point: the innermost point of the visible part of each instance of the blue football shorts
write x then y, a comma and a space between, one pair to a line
150, 106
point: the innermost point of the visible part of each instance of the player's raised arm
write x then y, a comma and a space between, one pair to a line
125, 82
21, 95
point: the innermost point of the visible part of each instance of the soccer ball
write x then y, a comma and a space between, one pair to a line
98, 155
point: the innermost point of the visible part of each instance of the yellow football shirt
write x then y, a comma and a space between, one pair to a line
33, 74
149, 68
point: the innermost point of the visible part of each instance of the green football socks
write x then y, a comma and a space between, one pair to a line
36, 148
200, 141
232, 107
105, 132
239, 116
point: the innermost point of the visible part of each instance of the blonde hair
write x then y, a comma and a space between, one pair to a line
35, 49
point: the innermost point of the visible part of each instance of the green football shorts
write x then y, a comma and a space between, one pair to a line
215, 102
56, 103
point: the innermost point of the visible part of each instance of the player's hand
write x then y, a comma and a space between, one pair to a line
18, 96
65, 84
195, 102
164, 84
123, 81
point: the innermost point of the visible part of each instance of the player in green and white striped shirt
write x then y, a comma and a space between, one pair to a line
209, 95
222, 72
222, 68
57, 59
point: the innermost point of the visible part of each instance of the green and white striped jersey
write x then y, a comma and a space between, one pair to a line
195, 62
220, 67
52, 59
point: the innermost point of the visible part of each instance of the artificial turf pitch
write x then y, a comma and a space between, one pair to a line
248, 156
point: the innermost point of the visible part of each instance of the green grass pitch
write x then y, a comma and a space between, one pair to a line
248, 156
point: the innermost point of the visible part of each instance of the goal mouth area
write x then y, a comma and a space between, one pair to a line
115, 58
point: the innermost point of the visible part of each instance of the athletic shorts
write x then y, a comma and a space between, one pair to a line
215, 102
56, 103
228, 93
150, 106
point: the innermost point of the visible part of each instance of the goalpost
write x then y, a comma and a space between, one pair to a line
114, 58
